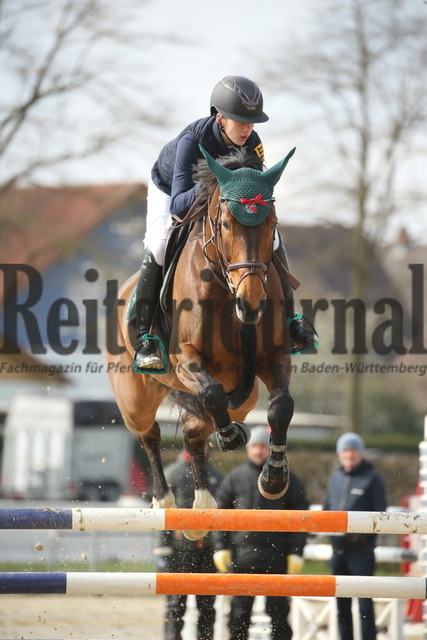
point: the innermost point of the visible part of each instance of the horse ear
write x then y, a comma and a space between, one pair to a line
272, 176
222, 174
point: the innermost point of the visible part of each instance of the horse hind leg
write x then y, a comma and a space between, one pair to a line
163, 497
195, 441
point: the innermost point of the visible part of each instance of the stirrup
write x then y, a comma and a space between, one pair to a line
163, 354
297, 349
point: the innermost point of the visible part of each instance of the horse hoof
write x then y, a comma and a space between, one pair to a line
235, 436
203, 499
167, 502
273, 482
194, 535
271, 496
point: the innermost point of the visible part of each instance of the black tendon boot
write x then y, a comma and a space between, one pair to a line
303, 335
146, 301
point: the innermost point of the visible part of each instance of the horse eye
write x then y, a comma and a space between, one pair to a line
226, 225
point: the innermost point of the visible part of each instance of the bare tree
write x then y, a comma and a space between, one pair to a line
72, 85
362, 76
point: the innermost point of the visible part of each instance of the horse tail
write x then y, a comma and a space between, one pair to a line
190, 403
248, 342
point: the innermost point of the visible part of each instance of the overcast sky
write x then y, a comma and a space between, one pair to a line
238, 37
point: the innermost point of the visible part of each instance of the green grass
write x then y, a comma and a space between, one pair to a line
311, 567
78, 566
318, 567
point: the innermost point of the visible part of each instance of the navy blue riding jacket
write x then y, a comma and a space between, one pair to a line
173, 170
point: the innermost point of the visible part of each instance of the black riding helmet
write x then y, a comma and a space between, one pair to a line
238, 98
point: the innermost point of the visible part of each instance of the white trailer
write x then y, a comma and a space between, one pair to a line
37, 446
57, 448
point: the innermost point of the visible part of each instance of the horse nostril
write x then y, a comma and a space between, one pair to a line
240, 304
246, 314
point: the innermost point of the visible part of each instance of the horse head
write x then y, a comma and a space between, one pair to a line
243, 220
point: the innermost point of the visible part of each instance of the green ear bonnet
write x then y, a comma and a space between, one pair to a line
248, 192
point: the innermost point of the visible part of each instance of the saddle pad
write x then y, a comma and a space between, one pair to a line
177, 239
131, 310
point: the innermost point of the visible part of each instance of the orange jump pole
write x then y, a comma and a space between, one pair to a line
234, 584
256, 520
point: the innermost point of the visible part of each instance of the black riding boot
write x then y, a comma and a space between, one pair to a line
146, 301
303, 335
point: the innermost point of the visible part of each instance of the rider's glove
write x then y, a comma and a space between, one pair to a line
295, 563
222, 560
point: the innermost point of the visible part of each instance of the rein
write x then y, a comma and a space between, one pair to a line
253, 267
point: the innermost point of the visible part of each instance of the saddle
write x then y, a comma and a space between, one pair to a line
178, 234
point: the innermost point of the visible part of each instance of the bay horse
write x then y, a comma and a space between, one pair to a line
227, 322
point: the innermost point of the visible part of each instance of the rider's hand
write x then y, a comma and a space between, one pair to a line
295, 563
222, 560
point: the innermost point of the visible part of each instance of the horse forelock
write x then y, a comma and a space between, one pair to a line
237, 159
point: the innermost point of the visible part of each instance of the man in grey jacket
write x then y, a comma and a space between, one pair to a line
355, 486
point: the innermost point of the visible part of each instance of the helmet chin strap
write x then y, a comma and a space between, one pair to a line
221, 127
224, 133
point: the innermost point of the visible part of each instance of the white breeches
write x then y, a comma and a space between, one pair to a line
159, 220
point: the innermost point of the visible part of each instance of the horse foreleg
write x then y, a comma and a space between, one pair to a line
193, 374
163, 497
230, 435
273, 480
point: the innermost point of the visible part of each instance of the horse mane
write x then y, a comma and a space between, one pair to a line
237, 159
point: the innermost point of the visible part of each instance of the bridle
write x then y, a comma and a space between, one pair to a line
253, 267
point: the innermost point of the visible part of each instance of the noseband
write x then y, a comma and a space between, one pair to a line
253, 267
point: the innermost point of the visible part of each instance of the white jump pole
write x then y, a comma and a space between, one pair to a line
423, 484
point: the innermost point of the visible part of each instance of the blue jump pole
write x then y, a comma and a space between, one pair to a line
21, 518
45, 583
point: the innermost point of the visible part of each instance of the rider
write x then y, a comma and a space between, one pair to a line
236, 105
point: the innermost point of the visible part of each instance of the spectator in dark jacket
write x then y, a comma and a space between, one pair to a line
256, 551
355, 486
176, 554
